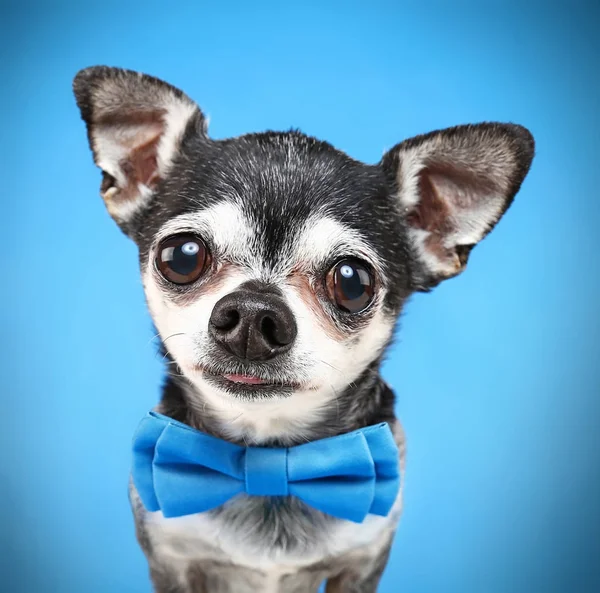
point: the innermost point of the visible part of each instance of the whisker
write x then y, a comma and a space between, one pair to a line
352, 383
368, 370
153, 338
173, 335
337, 401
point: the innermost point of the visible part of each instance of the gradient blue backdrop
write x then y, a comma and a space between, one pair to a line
496, 372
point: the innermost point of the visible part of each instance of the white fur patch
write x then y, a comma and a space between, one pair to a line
126, 209
323, 236
224, 226
410, 168
203, 531
178, 115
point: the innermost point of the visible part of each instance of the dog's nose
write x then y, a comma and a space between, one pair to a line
253, 325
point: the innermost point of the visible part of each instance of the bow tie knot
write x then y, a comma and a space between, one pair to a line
182, 471
266, 472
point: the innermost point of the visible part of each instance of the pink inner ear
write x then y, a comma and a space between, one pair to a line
448, 199
432, 213
141, 165
138, 138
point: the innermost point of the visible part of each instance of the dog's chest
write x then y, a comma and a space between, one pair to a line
252, 534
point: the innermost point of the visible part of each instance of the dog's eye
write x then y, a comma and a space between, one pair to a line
182, 259
351, 286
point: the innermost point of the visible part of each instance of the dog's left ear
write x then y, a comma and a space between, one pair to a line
453, 186
135, 124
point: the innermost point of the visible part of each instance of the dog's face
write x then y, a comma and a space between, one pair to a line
274, 265
271, 273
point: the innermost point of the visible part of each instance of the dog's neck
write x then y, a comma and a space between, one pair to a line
367, 401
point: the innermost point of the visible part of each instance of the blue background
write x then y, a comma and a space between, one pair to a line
496, 372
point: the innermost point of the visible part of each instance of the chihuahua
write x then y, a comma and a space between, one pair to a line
275, 268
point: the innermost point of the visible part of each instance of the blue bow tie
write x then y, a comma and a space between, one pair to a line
181, 471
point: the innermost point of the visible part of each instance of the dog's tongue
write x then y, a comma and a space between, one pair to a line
245, 379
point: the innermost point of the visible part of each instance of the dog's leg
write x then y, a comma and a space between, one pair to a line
361, 576
211, 576
306, 580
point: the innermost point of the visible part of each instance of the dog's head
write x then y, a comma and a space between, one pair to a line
274, 265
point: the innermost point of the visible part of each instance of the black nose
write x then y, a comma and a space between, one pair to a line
253, 325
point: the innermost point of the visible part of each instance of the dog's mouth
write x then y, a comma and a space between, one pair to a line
246, 379
239, 383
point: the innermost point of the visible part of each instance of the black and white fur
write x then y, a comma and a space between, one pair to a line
277, 210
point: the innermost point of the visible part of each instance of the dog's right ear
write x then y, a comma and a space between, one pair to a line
135, 125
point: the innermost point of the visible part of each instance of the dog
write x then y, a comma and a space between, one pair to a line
275, 268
